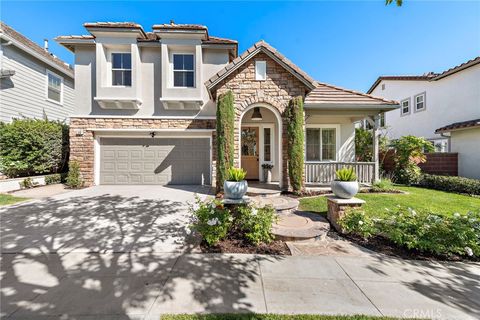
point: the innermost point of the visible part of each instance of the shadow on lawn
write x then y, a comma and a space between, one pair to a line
54, 260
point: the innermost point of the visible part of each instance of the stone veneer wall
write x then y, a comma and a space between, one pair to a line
277, 90
82, 146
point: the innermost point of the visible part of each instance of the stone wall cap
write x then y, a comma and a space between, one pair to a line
338, 200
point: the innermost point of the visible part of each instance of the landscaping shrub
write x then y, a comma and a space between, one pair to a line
53, 178
409, 152
295, 118
225, 136
212, 220
255, 223
450, 184
74, 178
32, 146
27, 183
383, 185
424, 231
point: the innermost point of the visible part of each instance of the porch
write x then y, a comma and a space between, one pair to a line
321, 173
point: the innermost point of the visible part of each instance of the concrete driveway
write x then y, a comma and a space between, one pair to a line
102, 219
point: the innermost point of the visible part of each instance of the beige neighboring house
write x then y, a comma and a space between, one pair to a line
145, 108
465, 140
33, 82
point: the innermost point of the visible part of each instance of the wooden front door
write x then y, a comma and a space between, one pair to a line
250, 151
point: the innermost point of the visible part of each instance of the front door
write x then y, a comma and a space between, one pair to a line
250, 151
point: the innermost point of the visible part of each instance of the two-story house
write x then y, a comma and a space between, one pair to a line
434, 104
145, 107
33, 82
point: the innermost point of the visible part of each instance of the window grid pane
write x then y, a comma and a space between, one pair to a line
266, 145
313, 145
121, 69
328, 144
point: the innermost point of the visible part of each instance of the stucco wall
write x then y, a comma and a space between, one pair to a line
467, 144
451, 99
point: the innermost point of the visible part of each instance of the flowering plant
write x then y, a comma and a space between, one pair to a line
211, 219
255, 223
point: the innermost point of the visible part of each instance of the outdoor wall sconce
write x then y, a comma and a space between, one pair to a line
256, 116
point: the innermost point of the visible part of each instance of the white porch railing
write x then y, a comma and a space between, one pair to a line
324, 172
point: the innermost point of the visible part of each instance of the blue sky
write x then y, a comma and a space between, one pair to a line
345, 43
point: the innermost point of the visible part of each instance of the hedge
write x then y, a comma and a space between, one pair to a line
450, 184
294, 116
33, 146
225, 137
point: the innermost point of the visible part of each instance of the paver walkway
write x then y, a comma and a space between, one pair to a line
80, 285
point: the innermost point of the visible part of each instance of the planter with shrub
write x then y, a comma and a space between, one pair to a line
345, 185
235, 186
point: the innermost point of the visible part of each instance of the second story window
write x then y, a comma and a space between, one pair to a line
54, 87
183, 71
420, 102
121, 69
405, 107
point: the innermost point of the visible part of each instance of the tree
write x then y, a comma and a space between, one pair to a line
225, 137
398, 2
294, 117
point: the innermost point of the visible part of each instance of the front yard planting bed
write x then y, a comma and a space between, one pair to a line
7, 199
269, 317
232, 245
420, 224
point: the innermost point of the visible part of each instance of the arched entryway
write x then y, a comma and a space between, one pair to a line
260, 137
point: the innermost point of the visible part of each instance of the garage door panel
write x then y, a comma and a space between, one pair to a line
157, 161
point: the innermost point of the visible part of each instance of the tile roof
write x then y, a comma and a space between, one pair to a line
431, 76
328, 94
119, 25
174, 26
75, 37
218, 40
260, 46
16, 36
459, 125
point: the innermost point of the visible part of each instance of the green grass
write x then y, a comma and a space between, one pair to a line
268, 317
6, 199
417, 198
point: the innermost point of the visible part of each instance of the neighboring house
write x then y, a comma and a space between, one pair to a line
145, 107
431, 101
465, 140
34, 83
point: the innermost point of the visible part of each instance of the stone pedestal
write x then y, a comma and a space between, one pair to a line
244, 200
338, 206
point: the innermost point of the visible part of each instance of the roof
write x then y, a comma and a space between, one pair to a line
21, 39
118, 25
431, 76
327, 94
174, 26
260, 46
218, 40
459, 125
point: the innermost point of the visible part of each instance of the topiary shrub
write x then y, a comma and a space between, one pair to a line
295, 136
32, 146
74, 177
450, 184
225, 137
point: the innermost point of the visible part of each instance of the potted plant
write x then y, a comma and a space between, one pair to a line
345, 185
235, 186
267, 172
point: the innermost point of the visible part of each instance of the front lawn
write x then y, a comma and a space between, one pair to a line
436, 201
7, 199
268, 317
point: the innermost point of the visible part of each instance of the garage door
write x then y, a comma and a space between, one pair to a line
155, 161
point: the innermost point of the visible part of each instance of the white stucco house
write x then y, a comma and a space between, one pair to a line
145, 108
33, 82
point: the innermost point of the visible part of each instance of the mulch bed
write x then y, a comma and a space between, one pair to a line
383, 245
228, 245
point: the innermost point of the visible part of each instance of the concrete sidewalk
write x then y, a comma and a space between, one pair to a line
80, 285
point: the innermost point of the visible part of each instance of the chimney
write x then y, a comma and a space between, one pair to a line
172, 22
45, 44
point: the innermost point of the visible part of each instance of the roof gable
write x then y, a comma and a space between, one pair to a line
258, 47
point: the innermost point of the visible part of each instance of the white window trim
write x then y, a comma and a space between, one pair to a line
61, 88
257, 63
409, 107
261, 153
172, 70
112, 68
337, 141
424, 94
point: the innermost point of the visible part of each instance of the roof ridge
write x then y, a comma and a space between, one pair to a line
356, 92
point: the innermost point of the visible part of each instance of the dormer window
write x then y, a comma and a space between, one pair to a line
121, 69
183, 71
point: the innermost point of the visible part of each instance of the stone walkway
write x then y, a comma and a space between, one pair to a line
79, 285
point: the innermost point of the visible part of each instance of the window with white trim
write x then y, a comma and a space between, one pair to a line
183, 70
121, 69
54, 87
267, 144
260, 70
321, 144
420, 102
405, 106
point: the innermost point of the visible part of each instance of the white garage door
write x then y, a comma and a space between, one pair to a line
155, 161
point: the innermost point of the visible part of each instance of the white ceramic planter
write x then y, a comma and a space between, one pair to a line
235, 189
345, 189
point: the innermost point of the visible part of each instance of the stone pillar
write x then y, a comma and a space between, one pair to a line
338, 206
